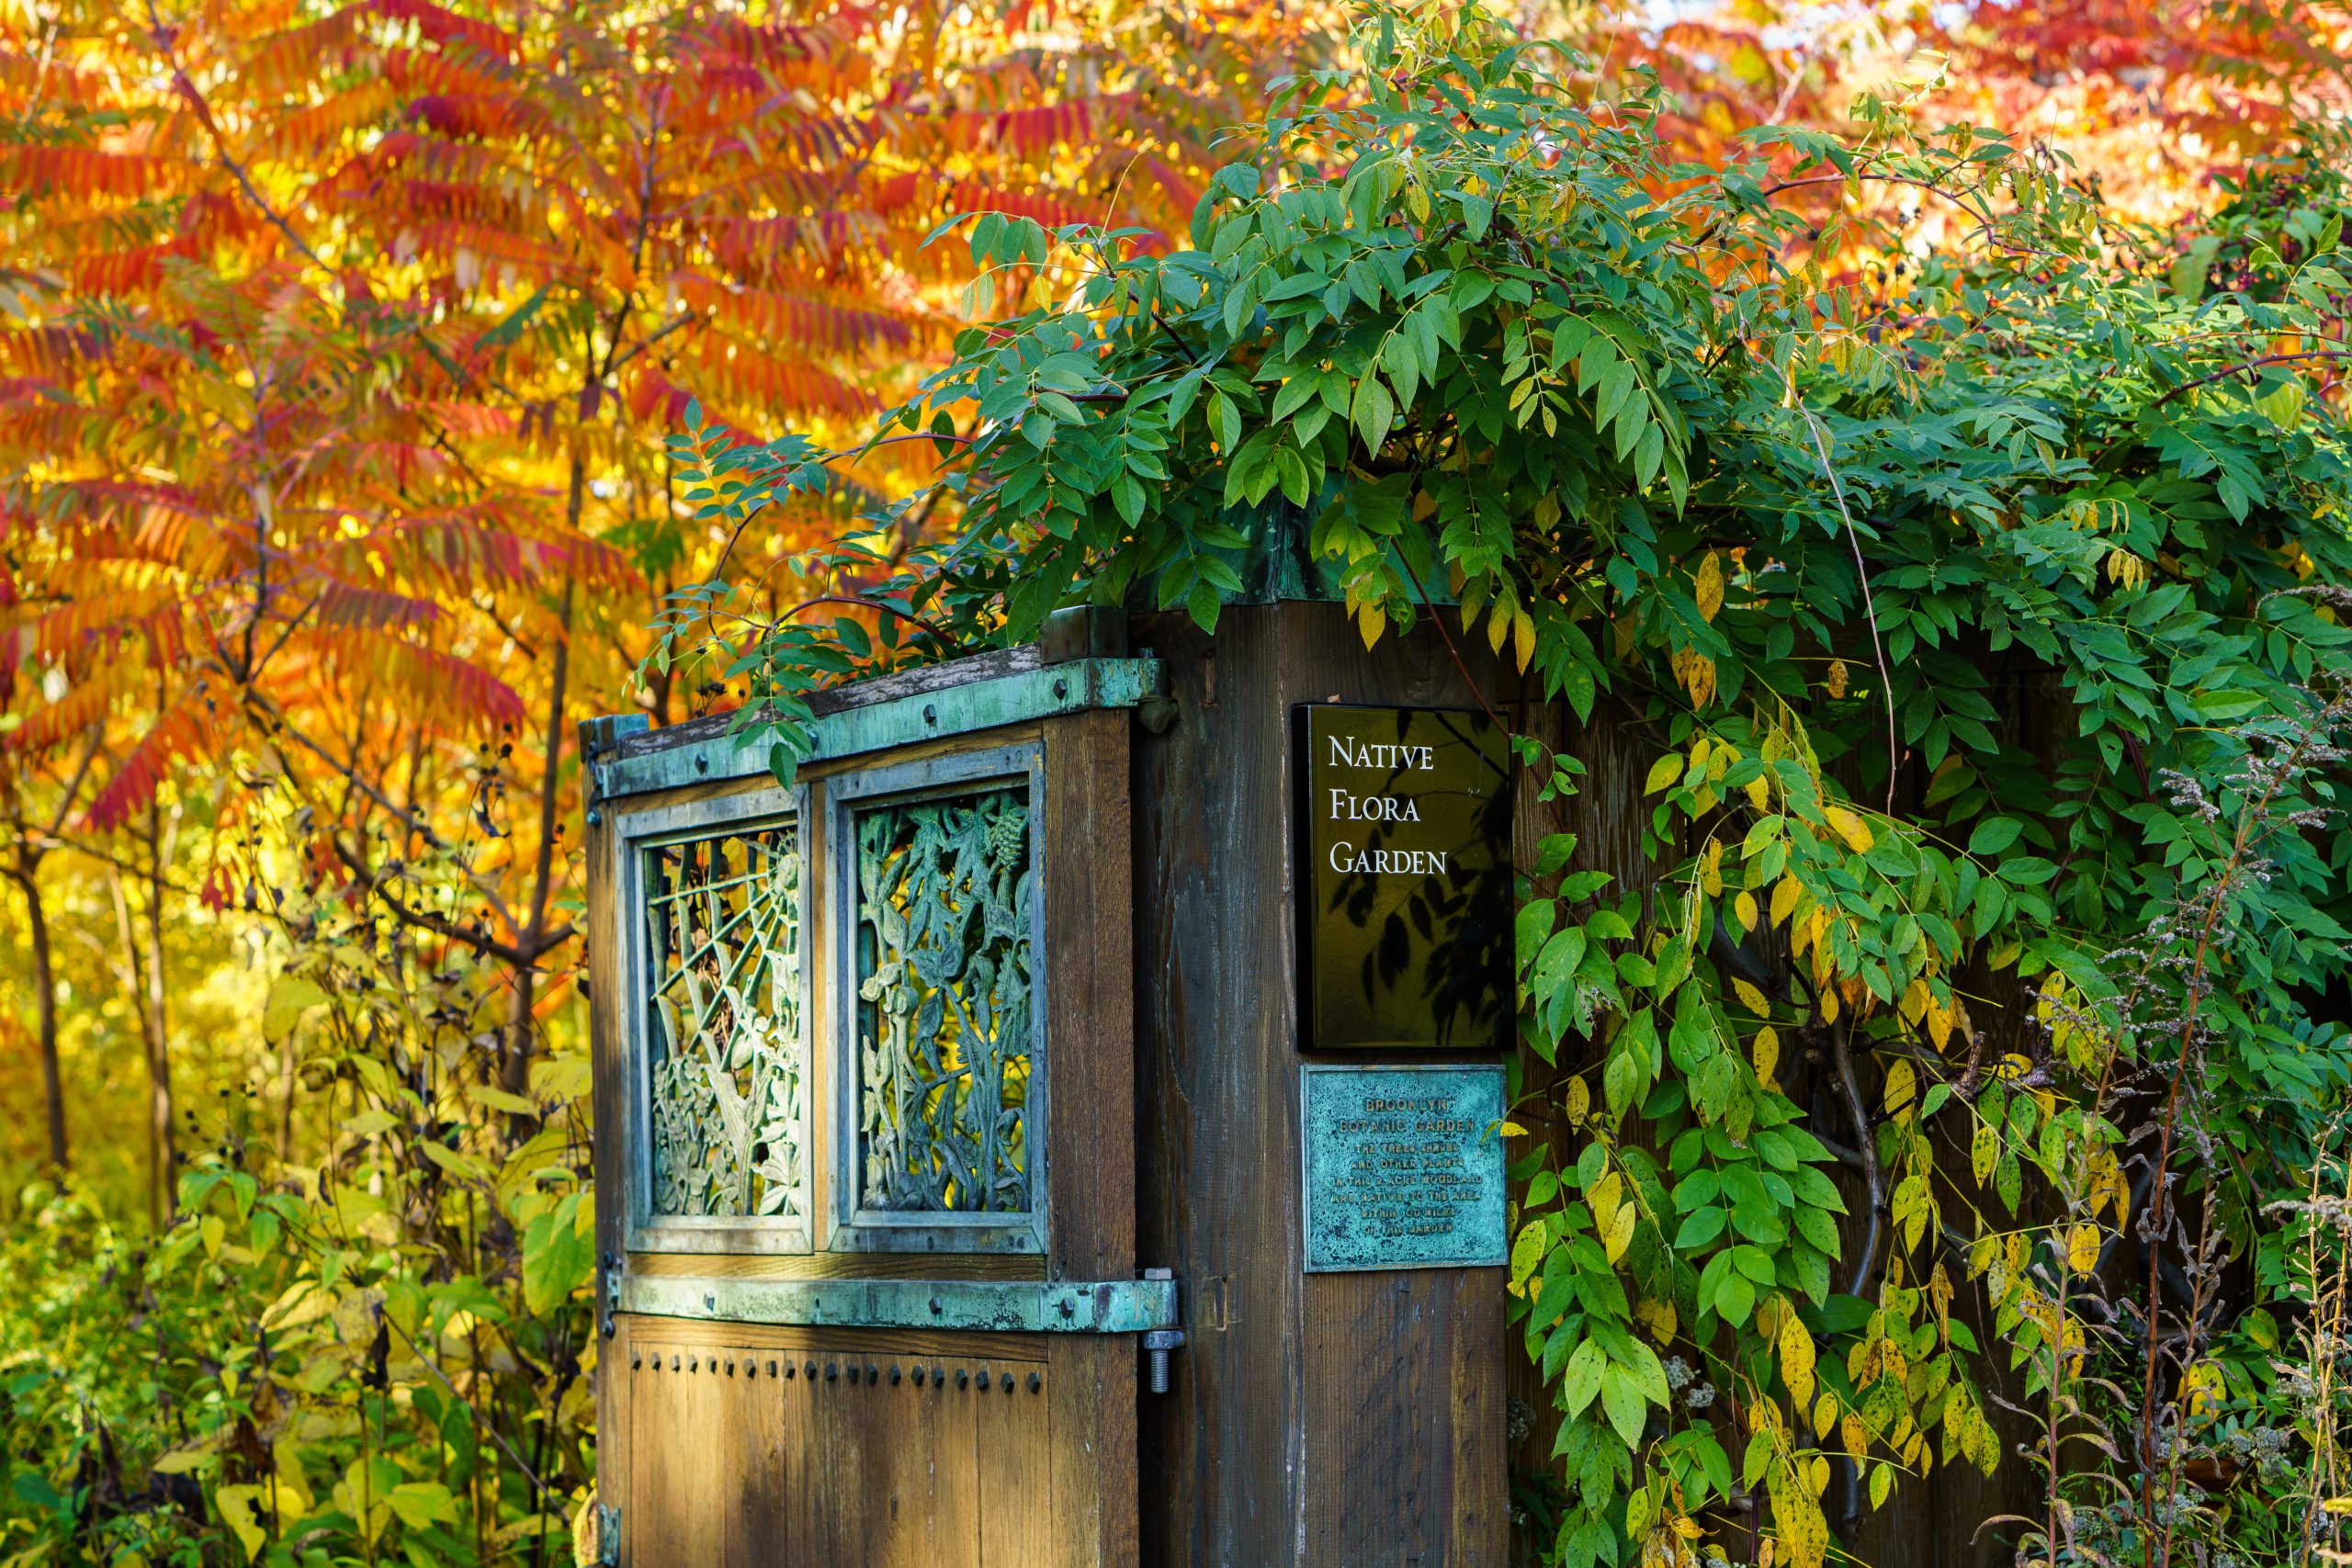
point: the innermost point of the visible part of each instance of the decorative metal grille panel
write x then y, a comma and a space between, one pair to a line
944, 1004
727, 1052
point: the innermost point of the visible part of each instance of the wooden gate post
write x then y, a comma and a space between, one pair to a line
1339, 1420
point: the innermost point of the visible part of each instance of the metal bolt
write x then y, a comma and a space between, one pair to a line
751, 1369
1004, 1382
1068, 1307
1157, 1344
673, 1361
791, 1369
702, 765
1035, 1382
832, 1371
730, 1365
636, 1360
852, 1372
930, 712
918, 1377
770, 1369
594, 817
811, 1370
872, 1373
935, 1306
693, 1363
1061, 689
938, 1377
894, 1377
711, 1303
962, 1377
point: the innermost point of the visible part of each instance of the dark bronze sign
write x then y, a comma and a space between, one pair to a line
1404, 879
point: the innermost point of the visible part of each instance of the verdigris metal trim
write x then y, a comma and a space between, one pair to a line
1055, 689
1110, 1306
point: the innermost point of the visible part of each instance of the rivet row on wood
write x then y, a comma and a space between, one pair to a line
936, 1377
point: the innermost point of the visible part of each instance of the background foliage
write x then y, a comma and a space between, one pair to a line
1981, 611
341, 348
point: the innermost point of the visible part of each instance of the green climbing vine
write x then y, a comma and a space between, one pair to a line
1981, 611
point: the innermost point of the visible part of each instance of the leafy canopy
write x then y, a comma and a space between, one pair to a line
1980, 615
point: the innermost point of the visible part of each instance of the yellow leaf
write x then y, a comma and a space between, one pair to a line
1820, 1473
2205, 1388
1913, 1005
588, 1531
1711, 870
240, 1508
2082, 1249
1658, 1317
1759, 794
1617, 1234
1854, 1435
1696, 674
1825, 1414
1902, 1088
294, 1497
1751, 999
1851, 827
1837, 681
1784, 898
1578, 1099
1604, 1196
1371, 620
1798, 1524
1513, 1129
1829, 1006
1796, 1358
1744, 906
1523, 628
180, 1462
1710, 586
1767, 1054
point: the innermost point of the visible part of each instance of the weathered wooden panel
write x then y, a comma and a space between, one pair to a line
1276, 1425
686, 1465
763, 1446
1092, 1484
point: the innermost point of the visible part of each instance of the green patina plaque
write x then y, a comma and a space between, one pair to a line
1404, 1167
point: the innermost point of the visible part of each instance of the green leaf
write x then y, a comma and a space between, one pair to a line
558, 1255
289, 997
1584, 1375
1621, 1397
1994, 835
1373, 412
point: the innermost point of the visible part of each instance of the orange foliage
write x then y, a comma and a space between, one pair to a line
337, 350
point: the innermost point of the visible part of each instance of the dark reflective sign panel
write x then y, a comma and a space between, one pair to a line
1403, 834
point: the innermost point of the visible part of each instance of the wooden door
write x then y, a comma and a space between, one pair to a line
739, 1421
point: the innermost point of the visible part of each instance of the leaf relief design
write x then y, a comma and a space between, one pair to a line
730, 1061
946, 1034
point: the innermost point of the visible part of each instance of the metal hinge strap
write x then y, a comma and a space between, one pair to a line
1112, 1306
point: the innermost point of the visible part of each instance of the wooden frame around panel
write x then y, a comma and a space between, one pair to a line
856, 1229
656, 824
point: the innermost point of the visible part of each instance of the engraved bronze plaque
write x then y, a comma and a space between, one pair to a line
1404, 1167
1404, 879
